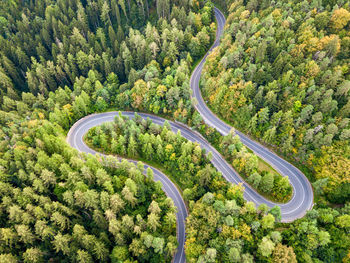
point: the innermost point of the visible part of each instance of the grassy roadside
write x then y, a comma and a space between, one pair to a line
304, 169
262, 165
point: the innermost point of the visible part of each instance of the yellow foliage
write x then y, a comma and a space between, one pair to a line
312, 44
166, 62
312, 241
306, 34
68, 110
154, 64
220, 197
173, 156
67, 107
161, 90
312, 69
235, 190
176, 114
285, 24
226, 231
212, 98
139, 92
230, 232
245, 231
340, 18
198, 21
192, 248
345, 69
307, 37
332, 163
169, 148
276, 13
20, 147
33, 123
255, 21
245, 14
314, 12
189, 241
326, 40
302, 86
346, 259
184, 113
213, 27
298, 50
218, 184
291, 131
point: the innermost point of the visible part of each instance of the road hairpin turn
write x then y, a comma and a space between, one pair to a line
301, 201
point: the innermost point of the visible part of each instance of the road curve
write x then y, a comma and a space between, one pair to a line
75, 139
302, 199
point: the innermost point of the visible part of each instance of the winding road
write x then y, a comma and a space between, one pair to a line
302, 199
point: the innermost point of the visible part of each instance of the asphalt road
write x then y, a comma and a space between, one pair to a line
301, 201
75, 139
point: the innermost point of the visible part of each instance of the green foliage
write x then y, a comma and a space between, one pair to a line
144, 140
60, 41
62, 206
236, 231
317, 236
266, 183
246, 163
281, 74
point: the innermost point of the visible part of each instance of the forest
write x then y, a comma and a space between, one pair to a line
58, 206
187, 163
280, 74
155, 144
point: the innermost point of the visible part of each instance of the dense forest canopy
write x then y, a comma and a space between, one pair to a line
97, 47
60, 206
137, 138
281, 73
47, 44
222, 226
61, 60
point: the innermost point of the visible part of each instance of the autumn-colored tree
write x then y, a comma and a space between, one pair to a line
283, 254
